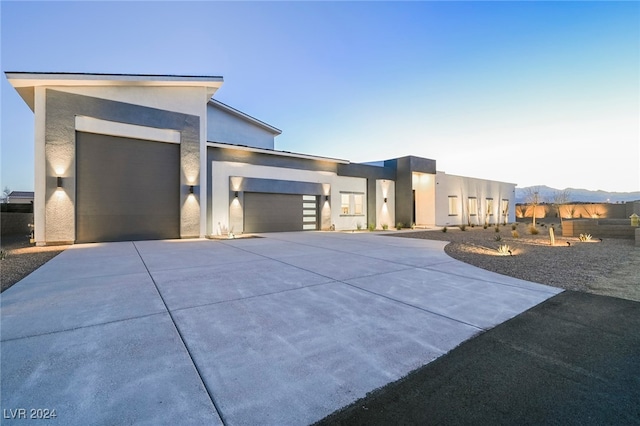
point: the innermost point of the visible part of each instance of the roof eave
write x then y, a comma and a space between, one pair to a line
237, 113
26, 82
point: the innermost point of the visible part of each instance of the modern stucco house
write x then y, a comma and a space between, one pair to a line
126, 157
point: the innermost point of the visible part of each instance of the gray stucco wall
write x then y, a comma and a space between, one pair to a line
404, 168
61, 110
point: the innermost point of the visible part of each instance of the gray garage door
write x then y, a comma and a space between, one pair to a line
279, 212
126, 189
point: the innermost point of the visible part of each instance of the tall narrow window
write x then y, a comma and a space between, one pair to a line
357, 204
473, 206
489, 206
345, 204
504, 208
453, 205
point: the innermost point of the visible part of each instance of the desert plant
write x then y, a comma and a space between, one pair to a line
533, 230
515, 234
462, 227
498, 238
399, 225
484, 226
533, 198
513, 227
372, 227
3, 254
444, 229
585, 237
358, 226
497, 229
385, 226
413, 225
559, 199
504, 249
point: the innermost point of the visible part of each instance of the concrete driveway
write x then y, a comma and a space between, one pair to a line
283, 329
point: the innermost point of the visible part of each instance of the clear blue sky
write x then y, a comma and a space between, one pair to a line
525, 92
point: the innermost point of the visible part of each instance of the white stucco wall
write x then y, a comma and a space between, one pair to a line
227, 128
466, 187
222, 171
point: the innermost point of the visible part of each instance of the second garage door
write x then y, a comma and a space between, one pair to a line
279, 212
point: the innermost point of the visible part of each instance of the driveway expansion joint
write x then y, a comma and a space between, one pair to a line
186, 347
83, 326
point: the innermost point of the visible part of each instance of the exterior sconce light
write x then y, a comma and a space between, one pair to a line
385, 199
326, 198
190, 189
236, 194
59, 181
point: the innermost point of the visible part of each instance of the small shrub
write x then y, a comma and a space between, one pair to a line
484, 226
413, 225
533, 230
385, 226
515, 234
3, 254
399, 225
444, 229
585, 237
372, 227
513, 226
473, 225
497, 229
504, 249
498, 238
359, 226
462, 227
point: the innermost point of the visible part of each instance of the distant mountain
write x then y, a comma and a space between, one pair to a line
580, 195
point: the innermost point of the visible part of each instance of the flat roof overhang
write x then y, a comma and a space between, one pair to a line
275, 152
26, 82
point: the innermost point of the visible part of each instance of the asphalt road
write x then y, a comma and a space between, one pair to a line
572, 360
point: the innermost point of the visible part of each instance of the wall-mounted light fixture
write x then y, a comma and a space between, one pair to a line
59, 181
385, 199
236, 194
190, 189
326, 198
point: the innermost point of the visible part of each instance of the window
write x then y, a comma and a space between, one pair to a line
345, 204
357, 203
351, 204
504, 208
473, 206
489, 206
453, 205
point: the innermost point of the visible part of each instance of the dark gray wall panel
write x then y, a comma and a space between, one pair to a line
274, 160
272, 212
127, 189
278, 186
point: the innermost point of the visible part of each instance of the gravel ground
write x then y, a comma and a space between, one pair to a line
609, 267
22, 258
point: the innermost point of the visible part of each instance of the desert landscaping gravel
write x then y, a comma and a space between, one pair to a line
610, 267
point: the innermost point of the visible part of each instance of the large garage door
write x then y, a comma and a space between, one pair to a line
279, 212
126, 189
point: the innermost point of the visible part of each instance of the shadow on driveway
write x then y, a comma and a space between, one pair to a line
574, 359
